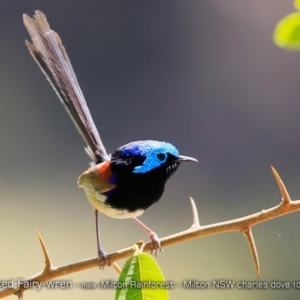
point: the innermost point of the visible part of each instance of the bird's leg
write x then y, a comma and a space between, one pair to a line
153, 236
103, 259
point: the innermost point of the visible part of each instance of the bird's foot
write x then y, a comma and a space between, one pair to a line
103, 259
155, 243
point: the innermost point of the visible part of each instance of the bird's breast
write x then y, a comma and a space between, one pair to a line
99, 203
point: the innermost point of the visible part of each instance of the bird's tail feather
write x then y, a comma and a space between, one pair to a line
51, 56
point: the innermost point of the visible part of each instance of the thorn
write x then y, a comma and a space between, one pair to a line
116, 267
251, 243
196, 223
285, 195
48, 264
20, 294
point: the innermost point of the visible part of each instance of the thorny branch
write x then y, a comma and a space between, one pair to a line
242, 225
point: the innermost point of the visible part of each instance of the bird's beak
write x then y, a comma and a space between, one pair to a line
184, 159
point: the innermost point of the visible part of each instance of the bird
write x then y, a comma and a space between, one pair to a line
122, 184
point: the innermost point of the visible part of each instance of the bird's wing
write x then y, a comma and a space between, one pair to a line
51, 56
98, 178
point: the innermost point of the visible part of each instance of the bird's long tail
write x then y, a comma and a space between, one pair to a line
51, 56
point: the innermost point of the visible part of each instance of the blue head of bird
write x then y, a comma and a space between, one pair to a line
143, 157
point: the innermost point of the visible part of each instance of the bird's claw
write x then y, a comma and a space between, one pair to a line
103, 259
155, 243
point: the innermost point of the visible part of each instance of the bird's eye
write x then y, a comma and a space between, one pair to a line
161, 156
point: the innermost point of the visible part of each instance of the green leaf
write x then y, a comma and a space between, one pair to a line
297, 4
142, 279
287, 32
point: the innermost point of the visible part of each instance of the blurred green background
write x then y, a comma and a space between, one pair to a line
204, 75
